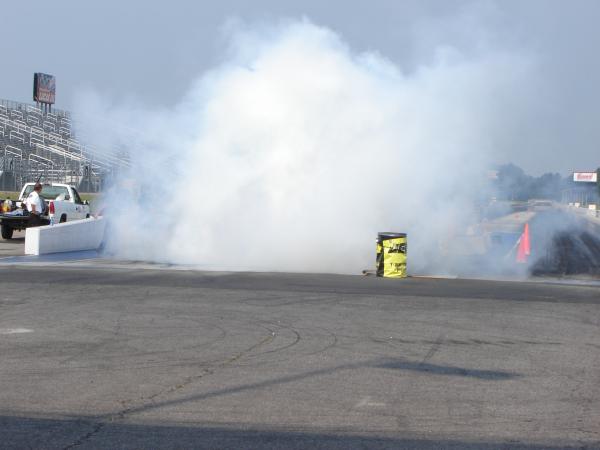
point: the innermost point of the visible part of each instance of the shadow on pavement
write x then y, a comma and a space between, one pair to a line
446, 370
397, 364
38, 433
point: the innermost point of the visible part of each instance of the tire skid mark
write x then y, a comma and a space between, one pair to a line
222, 335
138, 352
332, 341
297, 339
277, 327
279, 301
88, 349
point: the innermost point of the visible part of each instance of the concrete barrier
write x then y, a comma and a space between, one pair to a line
86, 234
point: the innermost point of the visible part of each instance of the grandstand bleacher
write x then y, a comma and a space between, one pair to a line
34, 144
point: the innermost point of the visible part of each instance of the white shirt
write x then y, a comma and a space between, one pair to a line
34, 199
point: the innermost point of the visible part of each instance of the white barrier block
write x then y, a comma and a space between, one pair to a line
85, 234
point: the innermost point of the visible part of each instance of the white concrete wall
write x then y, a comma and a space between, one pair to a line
86, 234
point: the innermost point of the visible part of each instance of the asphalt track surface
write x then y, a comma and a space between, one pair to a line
13, 247
125, 357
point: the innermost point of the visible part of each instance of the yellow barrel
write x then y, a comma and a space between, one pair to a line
391, 255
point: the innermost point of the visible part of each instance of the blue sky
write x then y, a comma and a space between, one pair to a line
152, 51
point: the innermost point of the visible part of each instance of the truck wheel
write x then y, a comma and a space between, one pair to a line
63, 218
7, 232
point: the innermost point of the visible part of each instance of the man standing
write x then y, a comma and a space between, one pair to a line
35, 206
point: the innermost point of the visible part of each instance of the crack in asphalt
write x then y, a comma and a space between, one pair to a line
434, 348
120, 415
86, 437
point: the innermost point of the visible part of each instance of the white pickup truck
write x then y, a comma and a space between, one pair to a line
63, 204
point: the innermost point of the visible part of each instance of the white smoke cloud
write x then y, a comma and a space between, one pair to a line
295, 151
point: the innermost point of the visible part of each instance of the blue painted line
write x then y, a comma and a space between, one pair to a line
52, 257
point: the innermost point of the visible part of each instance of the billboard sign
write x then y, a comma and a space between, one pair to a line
586, 177
44, 88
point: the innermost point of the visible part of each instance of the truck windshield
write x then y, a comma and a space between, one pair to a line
48, 192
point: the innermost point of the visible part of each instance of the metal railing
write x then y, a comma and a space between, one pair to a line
59, 152
40, 160
10, 104
34, 109
35, 141
40, 133
11, 150
22, 127
36, 132
14, 113
16, 136
32, 120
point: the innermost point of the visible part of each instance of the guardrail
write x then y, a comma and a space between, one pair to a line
58, 151
34, 109
35, 120
14, 112
36, 141
63, 146
10, 150
85, 234
11, 104
16, 136
89, 153
41, 160
592, 214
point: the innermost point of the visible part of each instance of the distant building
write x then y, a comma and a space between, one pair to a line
583, 189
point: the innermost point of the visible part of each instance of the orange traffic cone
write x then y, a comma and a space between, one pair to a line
524, 249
